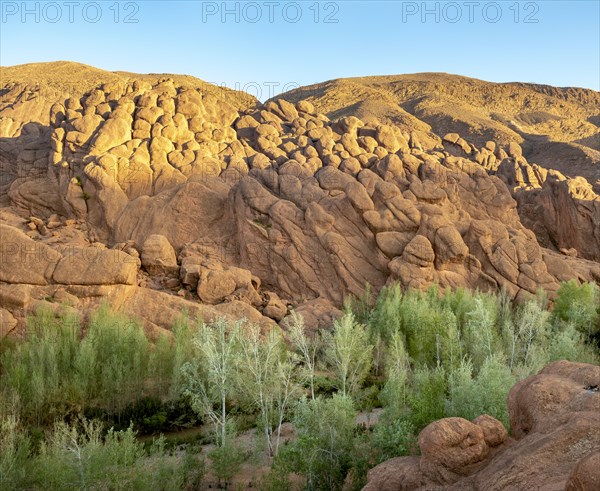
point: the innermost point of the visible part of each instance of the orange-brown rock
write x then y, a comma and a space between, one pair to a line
309, 206
158, 256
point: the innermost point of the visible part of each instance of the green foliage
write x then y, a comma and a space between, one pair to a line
211, 377
112, 360
349, 353
424, 326
361, 306
77, 456
226, 461
16, 448
486, 393
386, 318
395, 391
427, 396
39, 372
530, 332
481, 337
385, 321
193, 469
579, 305
422, 355
306, 348
568, 343
394, 439
324, 446
267, 377
182, 352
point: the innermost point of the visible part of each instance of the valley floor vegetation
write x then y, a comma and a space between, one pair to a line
77, 400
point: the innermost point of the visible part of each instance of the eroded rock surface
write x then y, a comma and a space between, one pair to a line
167, 184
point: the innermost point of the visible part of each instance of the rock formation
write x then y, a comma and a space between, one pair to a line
554, 442
165, 190
558, 128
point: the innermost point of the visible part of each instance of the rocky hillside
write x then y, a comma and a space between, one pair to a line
163, 193
558, 128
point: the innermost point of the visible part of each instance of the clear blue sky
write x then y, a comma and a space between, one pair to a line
259, 42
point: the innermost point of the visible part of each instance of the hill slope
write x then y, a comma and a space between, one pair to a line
558, 128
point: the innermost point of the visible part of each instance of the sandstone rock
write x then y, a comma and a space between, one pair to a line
15, 296
386, 137
190, 271
357, 195
158, 256
7, 322
145, 157
449, 446
93, 266
494, 432
317, 314
22, 260
449, 246
398, 474
586, 475
305, 107
113, 132
514, 150
557, 391
392, 244
275, 308
215, 285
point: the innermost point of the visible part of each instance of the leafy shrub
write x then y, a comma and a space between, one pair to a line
580, 306
323, 449
193, 469
394, 439
15, 454
39, 372
486, 393
225, 461
427, 397
349, 353
568, 343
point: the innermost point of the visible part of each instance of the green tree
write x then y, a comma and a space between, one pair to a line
267, 378
427, 397
480, 329
385, 321
349, 353
305, 346
579, 305
486, 393
394, 393
531, 328
323, 449
211, 377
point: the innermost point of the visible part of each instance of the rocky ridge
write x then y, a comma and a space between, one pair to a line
558, 128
